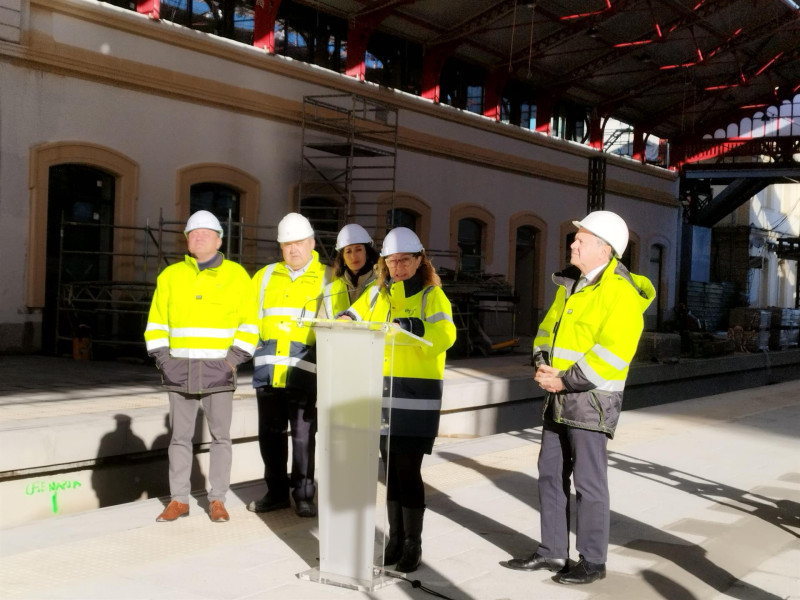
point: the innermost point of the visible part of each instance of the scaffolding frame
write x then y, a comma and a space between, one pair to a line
349, 161
115, 311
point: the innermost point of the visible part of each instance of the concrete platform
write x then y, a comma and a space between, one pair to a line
705, 505
80, 435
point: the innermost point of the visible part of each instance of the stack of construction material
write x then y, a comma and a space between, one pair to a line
705, 344
755, 326
658, 347
783, 331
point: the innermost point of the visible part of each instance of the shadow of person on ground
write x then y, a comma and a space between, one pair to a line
119, 474
690, 557
784, 514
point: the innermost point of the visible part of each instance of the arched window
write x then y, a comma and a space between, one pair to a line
326, 217
402, 217
470, 244
525, 279
403, 210
223, 202
472, 237
218, 189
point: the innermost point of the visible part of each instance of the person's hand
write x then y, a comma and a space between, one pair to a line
413, 325
549, 379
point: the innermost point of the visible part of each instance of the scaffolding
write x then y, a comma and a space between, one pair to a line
348, 164
111, 312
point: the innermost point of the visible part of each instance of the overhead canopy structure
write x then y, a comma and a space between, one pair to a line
675, 68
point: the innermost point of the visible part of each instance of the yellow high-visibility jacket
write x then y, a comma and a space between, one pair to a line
590, 337
342, 292
196, 318
413, 375
285, 355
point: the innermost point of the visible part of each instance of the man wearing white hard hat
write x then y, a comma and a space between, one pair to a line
201, 326
353, 268
598, 315
285, 371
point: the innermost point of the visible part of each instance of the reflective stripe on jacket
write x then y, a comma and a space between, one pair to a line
198, 316
591, 337
341, 293
285, 355
413, 375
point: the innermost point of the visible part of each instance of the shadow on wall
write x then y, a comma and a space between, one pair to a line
127, 471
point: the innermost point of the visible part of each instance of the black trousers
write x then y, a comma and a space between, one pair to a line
582, 455
403, 476
281, 410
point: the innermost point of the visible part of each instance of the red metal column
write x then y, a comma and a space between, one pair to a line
544, 114
151, 8
595, 131
357, 38
493, 93
639, 146
264, 24
432, 65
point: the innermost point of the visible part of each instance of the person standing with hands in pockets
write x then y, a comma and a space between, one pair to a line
582, 353
201, 326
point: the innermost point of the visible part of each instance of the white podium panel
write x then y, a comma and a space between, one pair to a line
349, 392
350, 357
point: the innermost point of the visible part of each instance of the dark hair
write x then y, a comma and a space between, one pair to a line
426, 271
339, 266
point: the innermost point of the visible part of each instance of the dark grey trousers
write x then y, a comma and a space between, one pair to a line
218, 409
582, 455
277, 409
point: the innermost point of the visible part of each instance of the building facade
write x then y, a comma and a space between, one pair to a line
114, 126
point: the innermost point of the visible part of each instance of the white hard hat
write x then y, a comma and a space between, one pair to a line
609, 227
352, 234
203, 219
401, 239
294, 227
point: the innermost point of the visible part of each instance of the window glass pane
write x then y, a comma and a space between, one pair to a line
470, 238
401, 217
221, 201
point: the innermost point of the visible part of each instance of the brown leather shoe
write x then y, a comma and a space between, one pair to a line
174, 510
218, 512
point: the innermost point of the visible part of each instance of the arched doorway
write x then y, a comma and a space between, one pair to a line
470, 244
525, 280
79, 251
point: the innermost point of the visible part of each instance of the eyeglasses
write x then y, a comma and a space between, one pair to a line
403, 261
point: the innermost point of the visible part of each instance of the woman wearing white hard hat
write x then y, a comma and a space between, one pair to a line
408, 292
354, 268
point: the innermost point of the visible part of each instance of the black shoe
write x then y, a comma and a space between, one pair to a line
268, 504
583, 572
535, 562
305, 508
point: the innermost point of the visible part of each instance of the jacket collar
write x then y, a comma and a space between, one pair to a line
409, 287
